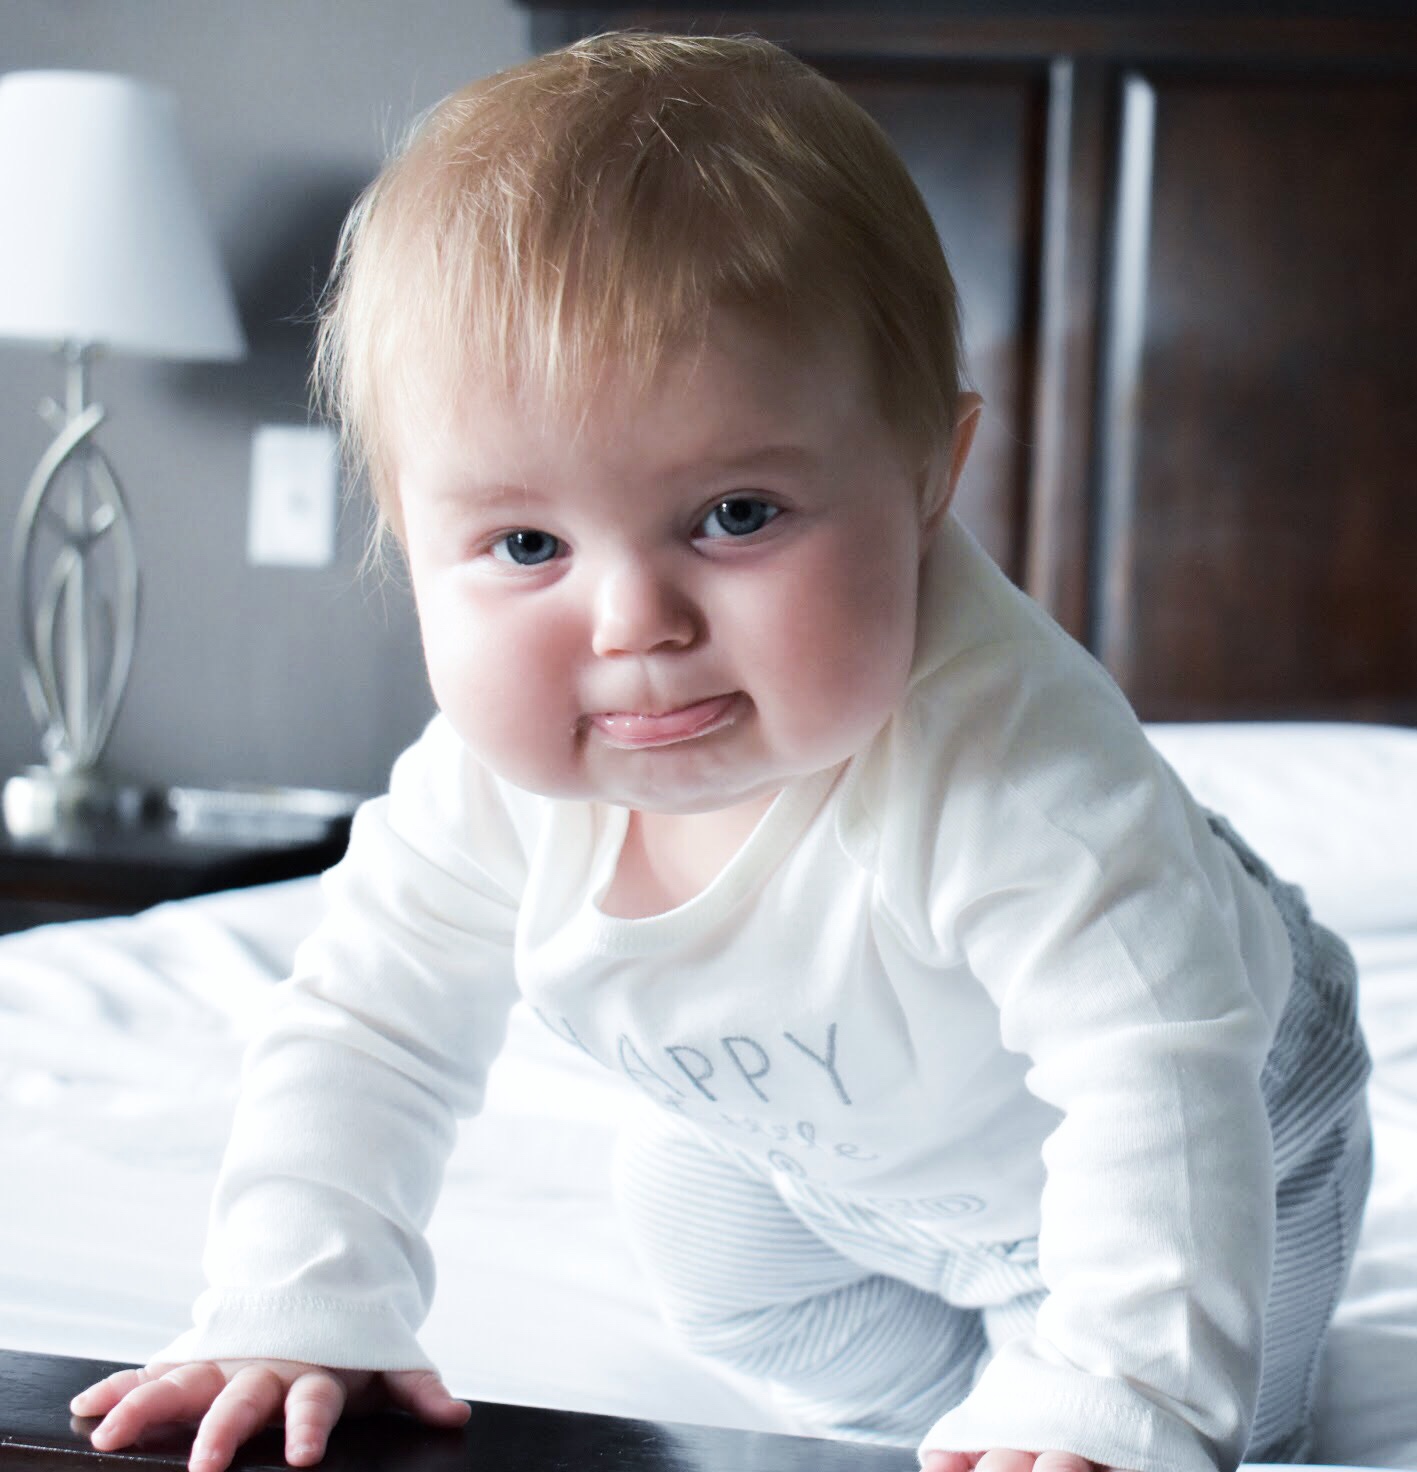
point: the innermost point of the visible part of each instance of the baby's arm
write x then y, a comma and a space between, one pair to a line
1136, 970
350, 1092
231, 1400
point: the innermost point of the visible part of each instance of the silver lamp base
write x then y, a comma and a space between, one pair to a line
76, 574
40, 801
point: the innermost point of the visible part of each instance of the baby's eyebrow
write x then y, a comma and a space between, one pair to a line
495, 493
773, 456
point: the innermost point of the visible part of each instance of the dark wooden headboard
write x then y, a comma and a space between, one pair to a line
1187, 251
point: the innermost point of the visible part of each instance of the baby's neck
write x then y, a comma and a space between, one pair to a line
668, 858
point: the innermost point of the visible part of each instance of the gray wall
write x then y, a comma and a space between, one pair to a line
244, 674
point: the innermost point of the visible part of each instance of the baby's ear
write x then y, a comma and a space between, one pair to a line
941, 476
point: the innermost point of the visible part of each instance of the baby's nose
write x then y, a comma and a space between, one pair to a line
639, 610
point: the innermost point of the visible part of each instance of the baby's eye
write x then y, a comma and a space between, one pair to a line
739, 516
527, 548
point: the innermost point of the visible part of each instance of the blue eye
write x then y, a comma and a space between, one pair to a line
739, 516
526, 548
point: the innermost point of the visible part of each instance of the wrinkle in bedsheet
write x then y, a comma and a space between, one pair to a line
125, 1039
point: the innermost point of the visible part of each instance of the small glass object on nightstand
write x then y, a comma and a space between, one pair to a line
260, 815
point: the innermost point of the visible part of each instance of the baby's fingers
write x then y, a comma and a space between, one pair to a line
312, 1407
425, 1395
100, 1398
180, 1394
250, 1401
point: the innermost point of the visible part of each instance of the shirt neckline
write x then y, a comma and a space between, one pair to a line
784, 822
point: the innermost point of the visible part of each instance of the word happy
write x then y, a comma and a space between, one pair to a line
734, 1070
743, 1061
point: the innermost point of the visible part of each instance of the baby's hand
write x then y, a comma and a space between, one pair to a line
231, 1400
1005, 1459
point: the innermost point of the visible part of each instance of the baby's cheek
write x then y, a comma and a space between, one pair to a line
851, 675
515, 719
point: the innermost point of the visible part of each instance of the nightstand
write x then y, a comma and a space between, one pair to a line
37, 1434
86, 869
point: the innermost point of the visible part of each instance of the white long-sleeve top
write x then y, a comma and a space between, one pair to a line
997, 961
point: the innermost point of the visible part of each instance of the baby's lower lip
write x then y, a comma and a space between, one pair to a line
633, 731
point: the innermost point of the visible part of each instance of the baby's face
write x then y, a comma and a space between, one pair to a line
707, 592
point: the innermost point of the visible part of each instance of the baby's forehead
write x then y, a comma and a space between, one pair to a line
563, 387
733, 397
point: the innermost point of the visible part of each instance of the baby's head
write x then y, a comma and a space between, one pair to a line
582, 214
649, 347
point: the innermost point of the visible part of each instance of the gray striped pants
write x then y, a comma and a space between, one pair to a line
871, 1323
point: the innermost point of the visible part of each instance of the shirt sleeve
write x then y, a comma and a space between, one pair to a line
349, 1097
1141, 972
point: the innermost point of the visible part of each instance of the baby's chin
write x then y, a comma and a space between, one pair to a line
669, 799
647, 783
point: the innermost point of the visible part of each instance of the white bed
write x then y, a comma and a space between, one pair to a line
118, 1061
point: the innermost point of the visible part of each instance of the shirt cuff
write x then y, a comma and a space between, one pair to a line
316, 1331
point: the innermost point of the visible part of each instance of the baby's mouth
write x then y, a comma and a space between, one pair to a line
633, 731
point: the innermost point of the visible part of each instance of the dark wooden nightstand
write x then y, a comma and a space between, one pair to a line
37, 1434
87, 869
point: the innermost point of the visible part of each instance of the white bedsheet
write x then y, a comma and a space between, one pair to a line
120, 1043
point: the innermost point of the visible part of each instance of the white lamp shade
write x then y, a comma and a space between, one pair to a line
102, 236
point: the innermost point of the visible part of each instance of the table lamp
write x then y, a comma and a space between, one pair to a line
103, 249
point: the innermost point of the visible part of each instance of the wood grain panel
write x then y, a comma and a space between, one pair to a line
1060, 502
1259, 547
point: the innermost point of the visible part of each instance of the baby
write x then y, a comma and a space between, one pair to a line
999, 1101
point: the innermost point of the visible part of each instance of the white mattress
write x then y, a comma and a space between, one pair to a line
121, 1042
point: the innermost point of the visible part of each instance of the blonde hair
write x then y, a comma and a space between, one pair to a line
589, 209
